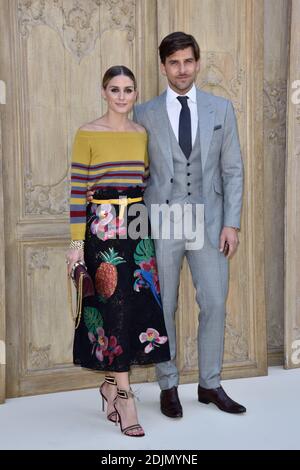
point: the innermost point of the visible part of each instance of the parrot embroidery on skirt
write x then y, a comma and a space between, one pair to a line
147, 275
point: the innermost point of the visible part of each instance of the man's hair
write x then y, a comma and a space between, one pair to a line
176, 42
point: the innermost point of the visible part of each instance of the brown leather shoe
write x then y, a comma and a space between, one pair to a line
220, 398
169, 403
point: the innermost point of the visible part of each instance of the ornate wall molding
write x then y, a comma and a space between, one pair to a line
275, 335
46, 200
236, 344
236, 348
214, 79
39, 358
275, 111
79, 23
37, 258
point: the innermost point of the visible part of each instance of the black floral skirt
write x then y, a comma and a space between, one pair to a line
123, 323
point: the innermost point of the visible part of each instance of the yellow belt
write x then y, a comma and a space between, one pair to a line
123, 201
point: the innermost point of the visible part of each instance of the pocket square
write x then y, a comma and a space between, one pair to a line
217, 127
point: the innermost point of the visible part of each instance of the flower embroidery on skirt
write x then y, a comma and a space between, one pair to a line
152, 336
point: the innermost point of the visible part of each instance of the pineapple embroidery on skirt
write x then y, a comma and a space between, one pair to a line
107, 275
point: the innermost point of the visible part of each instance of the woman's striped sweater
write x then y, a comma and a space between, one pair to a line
102, 160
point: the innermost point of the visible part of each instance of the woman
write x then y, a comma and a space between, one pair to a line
122, 324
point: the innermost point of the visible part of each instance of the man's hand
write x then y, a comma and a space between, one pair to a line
229, 241
89, 195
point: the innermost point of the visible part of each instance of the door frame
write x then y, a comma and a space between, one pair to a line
292, 206
2, 271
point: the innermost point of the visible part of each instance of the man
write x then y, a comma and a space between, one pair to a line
195, 158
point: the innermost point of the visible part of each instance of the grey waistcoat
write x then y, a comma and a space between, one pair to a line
186, 171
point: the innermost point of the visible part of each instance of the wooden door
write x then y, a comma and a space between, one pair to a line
52, 56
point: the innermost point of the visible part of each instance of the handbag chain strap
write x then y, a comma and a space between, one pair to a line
78, 263
76, 317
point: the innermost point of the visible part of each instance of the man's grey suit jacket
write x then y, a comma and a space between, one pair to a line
222, 166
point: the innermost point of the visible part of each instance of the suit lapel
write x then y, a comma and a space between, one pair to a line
160, 122
206, 116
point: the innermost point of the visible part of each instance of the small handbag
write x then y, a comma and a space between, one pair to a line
84, 287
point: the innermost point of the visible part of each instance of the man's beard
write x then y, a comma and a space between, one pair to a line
183, 86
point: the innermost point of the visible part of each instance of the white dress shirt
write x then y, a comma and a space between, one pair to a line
174, 108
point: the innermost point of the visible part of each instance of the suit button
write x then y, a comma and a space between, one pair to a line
188, 164
189, 194
171, 180
189, 184
167, 201
188, 174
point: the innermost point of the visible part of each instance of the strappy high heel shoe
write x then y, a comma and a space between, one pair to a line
125, 395
111, 381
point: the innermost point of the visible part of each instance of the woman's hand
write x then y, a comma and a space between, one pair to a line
89, 195
73, 255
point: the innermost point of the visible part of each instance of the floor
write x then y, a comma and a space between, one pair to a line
73, 420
